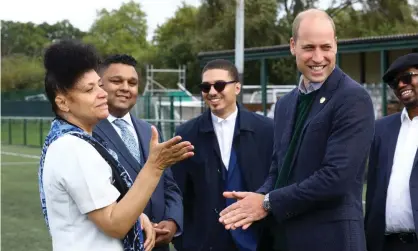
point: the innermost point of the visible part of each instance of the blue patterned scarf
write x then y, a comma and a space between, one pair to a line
134, 239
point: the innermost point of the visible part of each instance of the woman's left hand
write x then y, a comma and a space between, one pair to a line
149, 232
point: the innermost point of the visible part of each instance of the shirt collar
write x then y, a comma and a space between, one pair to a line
405, 115
311, 87
126, 117
231, 117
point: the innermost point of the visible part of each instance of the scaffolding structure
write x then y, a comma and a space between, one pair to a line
152, 86
166, 107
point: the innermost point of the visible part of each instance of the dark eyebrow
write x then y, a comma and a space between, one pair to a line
120, 77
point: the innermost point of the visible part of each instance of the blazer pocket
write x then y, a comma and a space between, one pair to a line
316, 126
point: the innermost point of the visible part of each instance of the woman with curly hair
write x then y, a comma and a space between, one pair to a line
88, 200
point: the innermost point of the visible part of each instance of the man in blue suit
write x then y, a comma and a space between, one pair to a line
129, 137
322, 134
233, 148
391, 219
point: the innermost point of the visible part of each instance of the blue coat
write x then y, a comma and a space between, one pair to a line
321, 209
380, 167
201, 178
166, 201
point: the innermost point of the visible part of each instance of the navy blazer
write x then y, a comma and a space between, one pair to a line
166, 201
380, 166
200, 177
321, 209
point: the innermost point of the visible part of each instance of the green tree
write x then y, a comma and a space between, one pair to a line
177, 43
20, 72
61, 30
23, 38
123, 30
30, 39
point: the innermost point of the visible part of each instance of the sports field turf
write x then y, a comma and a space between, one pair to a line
22, 224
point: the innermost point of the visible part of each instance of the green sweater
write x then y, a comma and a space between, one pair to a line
304, 106
302, 111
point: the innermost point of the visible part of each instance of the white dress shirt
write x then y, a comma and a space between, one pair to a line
126, 118
224, 130
399, 217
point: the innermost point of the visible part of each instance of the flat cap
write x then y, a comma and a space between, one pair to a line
400, 64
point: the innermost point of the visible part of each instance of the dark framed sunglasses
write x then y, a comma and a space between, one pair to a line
218, 85
405, 78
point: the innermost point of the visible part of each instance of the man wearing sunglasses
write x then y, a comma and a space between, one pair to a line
233, 149
322, 134
391, 219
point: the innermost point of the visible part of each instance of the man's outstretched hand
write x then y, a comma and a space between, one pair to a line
248, 209
165, 231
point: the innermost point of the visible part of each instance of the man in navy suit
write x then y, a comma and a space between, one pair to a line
233, 149
322, 134
391, 219
129, 137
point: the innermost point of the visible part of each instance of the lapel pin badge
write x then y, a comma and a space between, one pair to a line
322, 100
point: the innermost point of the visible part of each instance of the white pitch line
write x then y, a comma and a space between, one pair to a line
20, 155
17, 163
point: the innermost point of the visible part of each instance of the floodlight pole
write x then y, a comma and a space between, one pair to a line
239, 44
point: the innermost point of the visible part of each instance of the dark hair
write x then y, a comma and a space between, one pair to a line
117, 59
223, 64
65, 62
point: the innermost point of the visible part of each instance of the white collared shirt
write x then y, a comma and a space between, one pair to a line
128, 119
224, 130
399, 217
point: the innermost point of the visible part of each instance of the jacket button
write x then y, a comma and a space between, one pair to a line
216, 210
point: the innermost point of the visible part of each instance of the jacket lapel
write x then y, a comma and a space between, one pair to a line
110, 135
243, 141
321, 98
143, 130
214, 170
393, 128
324, 95
206, 127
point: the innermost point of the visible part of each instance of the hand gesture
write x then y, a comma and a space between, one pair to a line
149, 232
247, 209
165, 154
165, 231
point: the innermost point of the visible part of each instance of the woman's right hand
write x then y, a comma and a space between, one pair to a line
164, 154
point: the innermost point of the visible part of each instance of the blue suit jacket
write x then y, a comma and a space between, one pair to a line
201, 180
380, 167
166, 201
321, 209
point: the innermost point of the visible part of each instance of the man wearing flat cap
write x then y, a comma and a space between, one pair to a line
391, 219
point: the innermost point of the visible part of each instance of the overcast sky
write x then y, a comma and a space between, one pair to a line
82, 13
